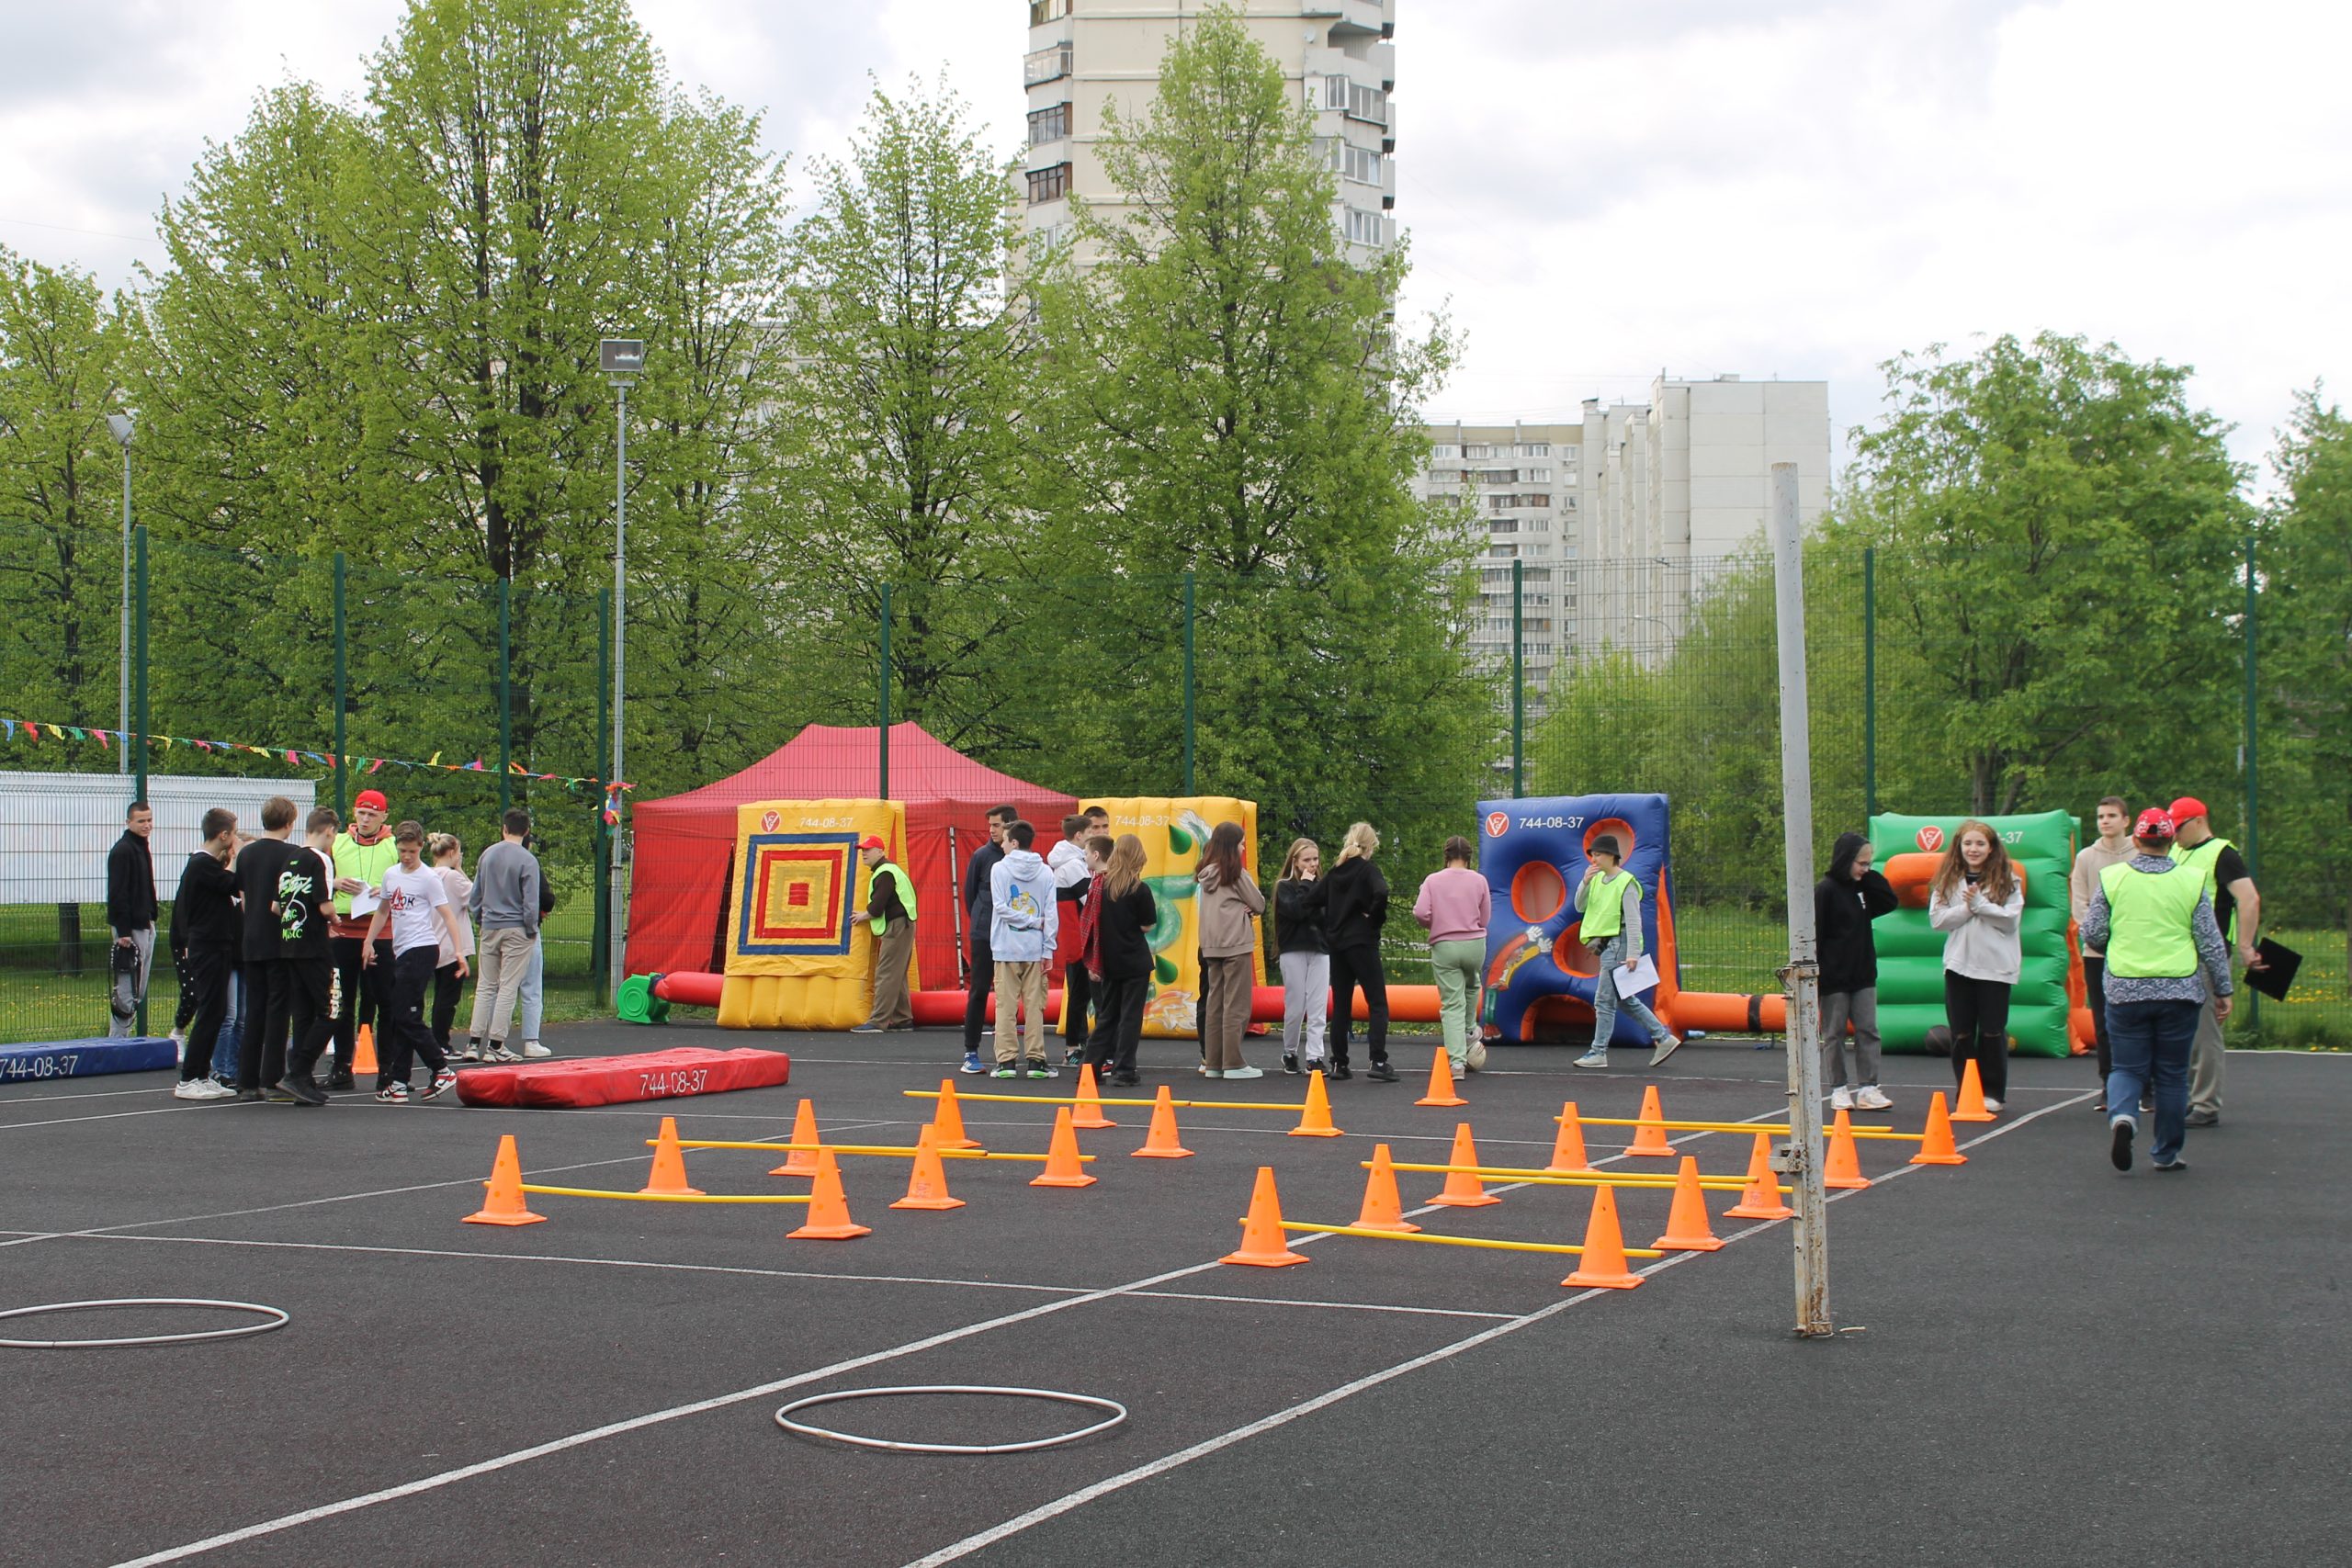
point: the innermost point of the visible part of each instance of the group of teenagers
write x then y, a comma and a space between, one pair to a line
2158, 901
311, 936
1327, 933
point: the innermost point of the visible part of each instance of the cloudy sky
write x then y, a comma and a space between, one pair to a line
1596, 192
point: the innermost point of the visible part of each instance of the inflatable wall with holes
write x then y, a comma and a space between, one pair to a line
2048, 1015
1539, 979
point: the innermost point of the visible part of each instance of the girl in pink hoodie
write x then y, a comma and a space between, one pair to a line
1454, 905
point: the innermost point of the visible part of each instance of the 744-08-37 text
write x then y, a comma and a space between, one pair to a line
685, 1080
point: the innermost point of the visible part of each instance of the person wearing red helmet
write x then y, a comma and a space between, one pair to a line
361, 856
2164, 954
2238, 907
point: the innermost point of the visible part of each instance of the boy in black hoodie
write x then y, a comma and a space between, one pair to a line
1845, 902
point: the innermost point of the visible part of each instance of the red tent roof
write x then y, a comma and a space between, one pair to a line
830, 762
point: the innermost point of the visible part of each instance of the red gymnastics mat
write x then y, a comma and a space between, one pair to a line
618, 1080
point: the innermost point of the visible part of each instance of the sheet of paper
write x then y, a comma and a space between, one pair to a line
1642, 977
366, 902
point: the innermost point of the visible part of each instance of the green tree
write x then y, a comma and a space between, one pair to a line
2059, 532
1226, 393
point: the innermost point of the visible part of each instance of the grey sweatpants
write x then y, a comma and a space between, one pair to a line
2205, 1057
128, 990
1852, 1062
1307, 1001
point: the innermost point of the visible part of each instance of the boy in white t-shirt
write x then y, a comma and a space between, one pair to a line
417, 907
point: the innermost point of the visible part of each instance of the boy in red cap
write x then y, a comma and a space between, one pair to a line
361, 856
2235, 904
890, 914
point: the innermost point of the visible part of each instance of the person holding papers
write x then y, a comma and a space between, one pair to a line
1609, 899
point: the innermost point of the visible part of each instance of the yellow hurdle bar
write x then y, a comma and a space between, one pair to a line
884, 1151
1453, 1240
663, 1197
1766, 1127
1648, 1180
1105, 1100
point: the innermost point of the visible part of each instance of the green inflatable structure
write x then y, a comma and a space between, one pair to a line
1911, 953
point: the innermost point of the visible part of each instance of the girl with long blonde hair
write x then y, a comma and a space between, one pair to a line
1303, 952
1355, 911
1976, 901
1125, 912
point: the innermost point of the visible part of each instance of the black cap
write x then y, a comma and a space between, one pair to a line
1605, 844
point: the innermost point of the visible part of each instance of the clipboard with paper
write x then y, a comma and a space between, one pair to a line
1634, 982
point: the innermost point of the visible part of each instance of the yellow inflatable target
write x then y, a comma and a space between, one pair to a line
797, 957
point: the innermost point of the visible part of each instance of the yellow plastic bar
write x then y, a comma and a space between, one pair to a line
1571, 1178
1066, 1099
1767, 1127
1455, 1240
879, 1150
664, 1197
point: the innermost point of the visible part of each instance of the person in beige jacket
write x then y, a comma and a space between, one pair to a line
1229, 905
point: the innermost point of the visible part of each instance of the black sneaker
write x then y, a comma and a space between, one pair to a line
1290, 1062
1126, 1081
302, 1091
2118, 1148
443, 1082
249, 1095
393, 1094
865, 1029
341, 1082
1342, 1072
1037, 1069
1381, 1072
278, 1094
2176, 1165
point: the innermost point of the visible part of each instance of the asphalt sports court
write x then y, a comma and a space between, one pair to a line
2041, 1361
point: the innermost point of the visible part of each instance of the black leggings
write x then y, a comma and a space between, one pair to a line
975, 992
2095, 996
1978, 1011
1118, 1024
1077, 985
446, 987
1352, 967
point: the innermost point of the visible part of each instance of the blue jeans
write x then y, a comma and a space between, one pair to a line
1606, 1001
2148, 1043
535, 986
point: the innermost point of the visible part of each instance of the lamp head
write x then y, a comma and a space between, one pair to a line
124, 425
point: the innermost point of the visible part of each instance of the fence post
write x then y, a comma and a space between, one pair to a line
1869, 682
506, 691
1188, 682
600, 968
342, 681
1518, 680
139, 694
884, 729
2253, 771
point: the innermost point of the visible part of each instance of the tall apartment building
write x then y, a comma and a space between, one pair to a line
1616, 521
1083, 53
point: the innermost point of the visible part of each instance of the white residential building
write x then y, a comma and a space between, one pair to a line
1524, 481
1083, 53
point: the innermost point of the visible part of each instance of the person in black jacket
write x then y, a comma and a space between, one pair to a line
979, 908
204, 925
1120, 915
1303, 952
269, 994
131, 911
1355, 911
1845, 902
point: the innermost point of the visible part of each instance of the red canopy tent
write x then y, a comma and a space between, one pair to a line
686, 842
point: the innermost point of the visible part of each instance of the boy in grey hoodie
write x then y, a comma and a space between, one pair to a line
1021, 929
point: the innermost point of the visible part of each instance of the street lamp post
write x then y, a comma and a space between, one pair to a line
124, 426
622, 360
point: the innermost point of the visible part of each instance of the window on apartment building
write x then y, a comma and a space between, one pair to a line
1475, 451
1048, 184
1365, 228
1048, 124
1443, 453
1540, 476
1044, 11
1361, 164
1540, 650
1335, 92
1503, 525
1535, 448
1045, 64
1502, 552
1535, 499
1534, 623
1367, 104
1539, 574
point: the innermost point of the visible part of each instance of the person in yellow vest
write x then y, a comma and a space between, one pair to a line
890, 914
1611, 899
2151, 915
2238, 909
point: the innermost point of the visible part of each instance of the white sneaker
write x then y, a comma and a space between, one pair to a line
534, 1050
1872, 1098
1598, 1058
1992, 1105
190, 1089
1841, 1099
1232, 1073
499, 1053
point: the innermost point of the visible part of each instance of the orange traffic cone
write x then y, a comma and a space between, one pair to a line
1686, 1223
1936, 1146
1463, 1188
947, 1122
927, 1188
504, 1204
1383, 1211
1762, 1198
828, 1207
363, 1053
1315, 1120
1160, 1142
1649, 1137
1441, 1083
1603, 1262
1062, 1168
806, 1139
1568, 1149
1971, 1097
1089, 1102
1843, 1169
1263, 1245
668, 1176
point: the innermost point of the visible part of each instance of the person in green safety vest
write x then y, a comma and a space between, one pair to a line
2151, 915
890, 914
2238, 909
1611, 899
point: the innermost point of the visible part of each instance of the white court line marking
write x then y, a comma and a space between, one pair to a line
1295, 1301
1201, 1449
94, 1094
717, 1402
171, 1108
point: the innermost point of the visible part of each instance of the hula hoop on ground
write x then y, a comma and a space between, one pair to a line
277, 1318
802, 1428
